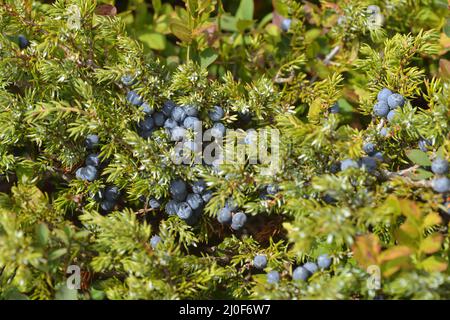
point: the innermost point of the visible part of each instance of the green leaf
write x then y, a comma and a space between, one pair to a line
433, 264
344, 106
97, 294
421, 174
14, 294
207, 57
62, 236
154, 40
440, 152
156, 5
42, 234
315, 109
432, 243
180, 31
395, 253
366, 250
281, 7
418, 157
245, 10
447, 28
142, 18
64, 293
267, 19
228, 23
57, 253
312, 34
431, 219
242, 25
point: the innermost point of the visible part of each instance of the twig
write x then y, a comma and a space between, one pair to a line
404, 175
331, 55
327, 60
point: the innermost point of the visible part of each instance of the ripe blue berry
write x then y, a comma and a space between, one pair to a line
260, 261
184, 211
191, 123
154, 203
193, 219
88, 173
112, 193
286, 24
311, 267
424, 144
178, 187
383, 132
127, 80
177, 133
369, 148
224, 215
245, 117
168, 107
373, 9
154, 241
147, 124
231, 204
193, 146
191, 111
23, 42
300, 273
97, 196
273, 277
178, 114
384, 94
381, 109
216, 113
368, 163
178, 156
107, 205
218, 130
335, 167
79, 174
145, 133
391, 115
335, 108
180, 196
134, 98
194, 200
395, 100
329, 199
447, 207
198, 186
92, 160
91, 141
172, 207
439, 166
272, 189
146, 108
341, 20
263, 195
441, 185
251, 137
238, 221
170, 123
348, 163
207, 195
324, 261
218, 160
379, 156
159, 119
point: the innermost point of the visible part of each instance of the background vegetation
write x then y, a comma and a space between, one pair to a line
66, 84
